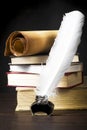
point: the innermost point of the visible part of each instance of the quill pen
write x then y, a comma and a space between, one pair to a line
60, 58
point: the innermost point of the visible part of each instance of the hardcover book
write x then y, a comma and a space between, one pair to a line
74, 67
65, 99
32, 79
35, 59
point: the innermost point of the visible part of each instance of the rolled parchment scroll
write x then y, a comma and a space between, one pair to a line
22, 43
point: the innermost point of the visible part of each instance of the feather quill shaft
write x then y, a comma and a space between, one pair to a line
62, 52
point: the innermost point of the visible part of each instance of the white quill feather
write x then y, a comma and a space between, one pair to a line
62, 52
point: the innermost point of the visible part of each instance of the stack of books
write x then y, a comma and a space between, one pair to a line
24, 74
24, 49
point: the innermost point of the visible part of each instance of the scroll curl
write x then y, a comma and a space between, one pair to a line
22, 43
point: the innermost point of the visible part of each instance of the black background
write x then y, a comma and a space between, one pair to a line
36, 15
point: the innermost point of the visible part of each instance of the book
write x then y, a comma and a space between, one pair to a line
74, 67
35, 59
65, 99
32, 79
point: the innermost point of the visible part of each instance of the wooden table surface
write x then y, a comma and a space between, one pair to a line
64, 120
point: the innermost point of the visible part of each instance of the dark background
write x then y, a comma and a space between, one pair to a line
36, 15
